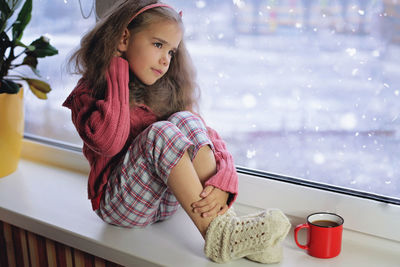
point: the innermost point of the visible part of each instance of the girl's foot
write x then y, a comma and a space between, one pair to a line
231, 237
273, 253
269, 255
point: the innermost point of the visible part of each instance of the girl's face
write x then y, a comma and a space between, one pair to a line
149, 52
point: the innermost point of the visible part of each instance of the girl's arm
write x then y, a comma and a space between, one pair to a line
103, 124
226, 177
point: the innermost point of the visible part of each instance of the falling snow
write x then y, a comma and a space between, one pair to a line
201, 4
251, 153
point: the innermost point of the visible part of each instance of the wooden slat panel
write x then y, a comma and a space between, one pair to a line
89, 260
3, 246
24, 248
112, 264
60, 255
18, 256
9, 244
51, 253
33, 250
41, 245
98, 262
69, 260
79, 258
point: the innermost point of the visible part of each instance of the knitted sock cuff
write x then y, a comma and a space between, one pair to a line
214, 241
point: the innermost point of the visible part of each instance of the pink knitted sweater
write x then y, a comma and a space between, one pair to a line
108, 126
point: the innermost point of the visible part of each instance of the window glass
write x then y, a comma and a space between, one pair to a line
308, 89
63, 22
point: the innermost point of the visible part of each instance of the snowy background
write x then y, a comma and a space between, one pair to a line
309, 89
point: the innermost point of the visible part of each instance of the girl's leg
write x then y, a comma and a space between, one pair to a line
162, 155
228, 236
203, 156
137, 193
204, 164
186, 186
187, 178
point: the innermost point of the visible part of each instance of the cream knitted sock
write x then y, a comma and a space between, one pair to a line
273, 253
231, 237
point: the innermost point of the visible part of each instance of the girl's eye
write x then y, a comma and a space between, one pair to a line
171, 53
158, 45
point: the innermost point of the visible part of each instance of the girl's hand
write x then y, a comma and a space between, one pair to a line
213, 202
117, 53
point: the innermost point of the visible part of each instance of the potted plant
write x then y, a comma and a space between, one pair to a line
15, 54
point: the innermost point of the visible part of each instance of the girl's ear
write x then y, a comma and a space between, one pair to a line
124, 41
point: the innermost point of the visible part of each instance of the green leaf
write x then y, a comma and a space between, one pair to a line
8, 7
23, 19
32, 62
5, 14
5, 9
4, 43
9, 87
19, 43
42, 48
39, 84
38, 93
15, 3
38, 87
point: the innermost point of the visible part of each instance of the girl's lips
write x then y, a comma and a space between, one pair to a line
157, 72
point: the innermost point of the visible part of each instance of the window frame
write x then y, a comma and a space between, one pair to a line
318, 185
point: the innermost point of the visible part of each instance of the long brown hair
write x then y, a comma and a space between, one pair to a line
175, 91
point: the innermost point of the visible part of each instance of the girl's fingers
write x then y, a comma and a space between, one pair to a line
202, 202
211, 212
207, 190
117, 53
205, 208
223, 210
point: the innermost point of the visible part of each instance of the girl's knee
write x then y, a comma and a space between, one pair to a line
184, 118
187, 122
206, 150
181, 115
165, 134
161, 129
164, 146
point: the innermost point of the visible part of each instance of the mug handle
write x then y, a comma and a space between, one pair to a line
296, 230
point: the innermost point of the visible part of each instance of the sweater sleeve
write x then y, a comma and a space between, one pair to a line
226, 177
103, 124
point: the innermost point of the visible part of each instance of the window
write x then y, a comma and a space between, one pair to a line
305, 89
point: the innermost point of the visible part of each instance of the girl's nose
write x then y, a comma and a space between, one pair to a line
165, 60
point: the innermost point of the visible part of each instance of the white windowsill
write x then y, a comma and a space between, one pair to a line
52, 201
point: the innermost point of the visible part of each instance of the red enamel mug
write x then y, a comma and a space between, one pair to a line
324, 234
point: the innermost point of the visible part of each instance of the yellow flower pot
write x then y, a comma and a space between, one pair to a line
11, 131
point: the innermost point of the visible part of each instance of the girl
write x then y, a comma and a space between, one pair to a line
147, 148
